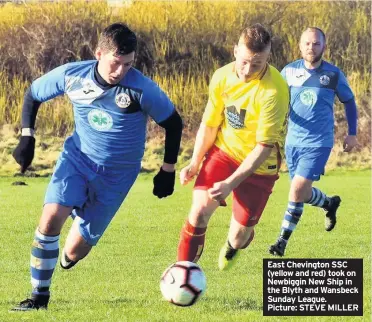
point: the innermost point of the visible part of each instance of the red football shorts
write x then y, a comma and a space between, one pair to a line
249, 198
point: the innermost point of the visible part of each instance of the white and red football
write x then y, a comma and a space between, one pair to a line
183, 283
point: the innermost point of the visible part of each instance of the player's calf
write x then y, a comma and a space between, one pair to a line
229, 255
65, 262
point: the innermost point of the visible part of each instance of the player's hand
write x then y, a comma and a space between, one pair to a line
188, 173
220, 192
349, 143
24, 152
164, 183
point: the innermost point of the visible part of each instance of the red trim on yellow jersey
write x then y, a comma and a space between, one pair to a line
266, 145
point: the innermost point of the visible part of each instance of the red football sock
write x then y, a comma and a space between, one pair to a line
191, 243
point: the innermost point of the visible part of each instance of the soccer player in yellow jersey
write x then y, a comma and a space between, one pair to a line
238, 146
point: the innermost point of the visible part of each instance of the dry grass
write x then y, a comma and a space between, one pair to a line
181, 44
48, 148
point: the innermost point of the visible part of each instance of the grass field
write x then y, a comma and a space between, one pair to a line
119, 280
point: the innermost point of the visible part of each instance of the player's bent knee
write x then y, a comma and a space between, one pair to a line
50, 224
241, 225
251, 236
199, 216
49, 228
240, 236
53, 218
300, 189
300, 183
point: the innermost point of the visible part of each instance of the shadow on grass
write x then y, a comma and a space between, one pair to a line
108, 301
234, 304
59, 302
118, 300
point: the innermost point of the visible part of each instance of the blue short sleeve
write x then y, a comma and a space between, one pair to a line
49, 85
156, 103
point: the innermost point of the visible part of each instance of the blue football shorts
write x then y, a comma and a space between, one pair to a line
94, 191
306, 162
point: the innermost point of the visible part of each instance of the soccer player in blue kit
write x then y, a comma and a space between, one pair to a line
313, 84
101, 159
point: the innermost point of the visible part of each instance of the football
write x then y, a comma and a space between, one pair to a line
183, 283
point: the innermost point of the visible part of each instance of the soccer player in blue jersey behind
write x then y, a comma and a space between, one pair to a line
101, 159
313, 84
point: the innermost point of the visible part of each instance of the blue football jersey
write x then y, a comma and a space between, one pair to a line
312, 95
110, 121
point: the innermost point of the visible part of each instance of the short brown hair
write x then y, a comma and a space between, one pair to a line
318, 30
118, 38
256, 37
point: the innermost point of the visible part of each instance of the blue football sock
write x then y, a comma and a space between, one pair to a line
291, 218
44, 256
318, 198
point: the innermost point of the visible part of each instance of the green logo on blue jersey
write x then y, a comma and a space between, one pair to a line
308, 97
100, 120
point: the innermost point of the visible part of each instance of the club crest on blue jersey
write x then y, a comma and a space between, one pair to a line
324, 80
122, 100
308, 97
100, 120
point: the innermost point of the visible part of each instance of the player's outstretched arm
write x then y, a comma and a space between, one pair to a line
25, 150
164, 180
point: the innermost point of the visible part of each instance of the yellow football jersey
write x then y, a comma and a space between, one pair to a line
248, 113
